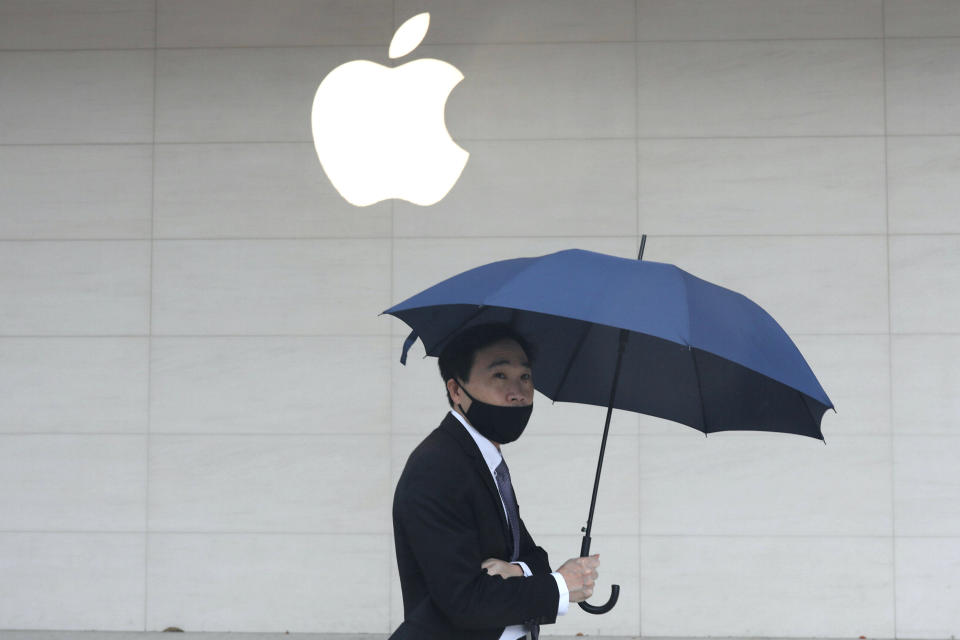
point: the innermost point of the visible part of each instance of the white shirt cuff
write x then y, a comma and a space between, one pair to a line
564, 594
564, 602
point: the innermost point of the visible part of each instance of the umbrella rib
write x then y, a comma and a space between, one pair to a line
803, 399
576, 352
696, 373
693, 356
479, 310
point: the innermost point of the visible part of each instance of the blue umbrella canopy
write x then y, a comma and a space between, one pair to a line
629, 334
696, 353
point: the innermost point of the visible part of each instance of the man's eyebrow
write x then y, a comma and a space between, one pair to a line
497, 363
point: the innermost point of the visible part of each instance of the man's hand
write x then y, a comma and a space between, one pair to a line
581, 576
497, 567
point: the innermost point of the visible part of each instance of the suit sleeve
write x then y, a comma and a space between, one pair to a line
535, 557
438, 521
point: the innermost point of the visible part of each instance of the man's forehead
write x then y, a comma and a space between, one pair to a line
504, 352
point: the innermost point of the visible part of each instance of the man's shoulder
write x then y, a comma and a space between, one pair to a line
442, 452
443, 443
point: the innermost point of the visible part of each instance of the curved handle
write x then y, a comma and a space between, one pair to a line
614, 589
610, 604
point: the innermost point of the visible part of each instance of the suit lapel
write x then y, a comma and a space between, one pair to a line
452, 427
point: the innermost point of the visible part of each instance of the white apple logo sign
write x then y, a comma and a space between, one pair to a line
380, 131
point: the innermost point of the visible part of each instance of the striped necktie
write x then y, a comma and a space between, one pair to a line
502, 474
505, 486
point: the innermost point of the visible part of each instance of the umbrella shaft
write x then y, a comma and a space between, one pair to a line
585, 548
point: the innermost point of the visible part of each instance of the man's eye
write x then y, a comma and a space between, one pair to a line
525, 376
499, 375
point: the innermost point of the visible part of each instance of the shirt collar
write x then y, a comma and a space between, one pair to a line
489, 451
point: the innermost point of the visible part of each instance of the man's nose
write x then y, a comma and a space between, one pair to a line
517, 394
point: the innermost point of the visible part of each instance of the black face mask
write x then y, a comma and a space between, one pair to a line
495, 423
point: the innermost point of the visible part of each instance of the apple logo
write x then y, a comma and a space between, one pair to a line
380, 131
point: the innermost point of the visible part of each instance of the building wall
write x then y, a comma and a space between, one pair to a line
202, 416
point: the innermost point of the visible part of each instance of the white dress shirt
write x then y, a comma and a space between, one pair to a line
491, 455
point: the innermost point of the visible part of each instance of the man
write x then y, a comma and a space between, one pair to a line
469, 568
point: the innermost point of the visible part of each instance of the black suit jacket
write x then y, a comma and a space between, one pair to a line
447, 519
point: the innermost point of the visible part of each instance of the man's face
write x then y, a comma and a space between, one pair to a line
500, 375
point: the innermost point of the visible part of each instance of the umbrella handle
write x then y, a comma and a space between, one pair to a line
614, 594
614, 589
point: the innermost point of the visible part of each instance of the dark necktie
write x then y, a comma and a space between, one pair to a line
505, 486
502, 474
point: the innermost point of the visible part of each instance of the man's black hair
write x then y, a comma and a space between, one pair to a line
457, 357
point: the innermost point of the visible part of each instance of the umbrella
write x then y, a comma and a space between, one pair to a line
632, 334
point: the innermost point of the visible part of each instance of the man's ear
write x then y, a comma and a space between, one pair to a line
452, 389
